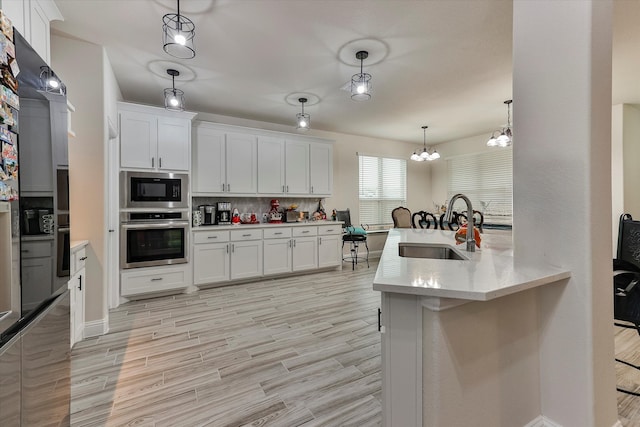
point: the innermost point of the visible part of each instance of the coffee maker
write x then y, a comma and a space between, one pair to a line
208, 213
223, 213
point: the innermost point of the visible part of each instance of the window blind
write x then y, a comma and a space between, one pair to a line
382, 187
487, 180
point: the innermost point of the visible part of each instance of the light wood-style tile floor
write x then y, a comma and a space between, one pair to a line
296, 351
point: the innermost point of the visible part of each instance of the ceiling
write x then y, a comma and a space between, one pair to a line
445, 64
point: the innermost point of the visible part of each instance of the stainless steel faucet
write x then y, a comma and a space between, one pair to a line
471, 243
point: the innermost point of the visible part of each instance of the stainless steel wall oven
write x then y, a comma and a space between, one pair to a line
153, 238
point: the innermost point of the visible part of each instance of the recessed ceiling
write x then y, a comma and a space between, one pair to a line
447, 63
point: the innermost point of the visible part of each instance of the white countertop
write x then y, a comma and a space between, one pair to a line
76, 245
266, 224
490, 272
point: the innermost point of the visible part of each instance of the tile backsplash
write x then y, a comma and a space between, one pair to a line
261, 205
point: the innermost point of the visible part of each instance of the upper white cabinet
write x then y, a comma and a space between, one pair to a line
297, 168
321, 169
223, 162
32, 19
152, 138
233, 160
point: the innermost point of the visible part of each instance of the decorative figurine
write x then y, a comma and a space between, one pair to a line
274, 215
235, 218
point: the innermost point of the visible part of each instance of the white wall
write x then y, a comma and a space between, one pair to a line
92, 89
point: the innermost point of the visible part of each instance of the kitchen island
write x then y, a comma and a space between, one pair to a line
460, 336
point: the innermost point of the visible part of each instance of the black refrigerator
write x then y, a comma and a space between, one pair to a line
34, 243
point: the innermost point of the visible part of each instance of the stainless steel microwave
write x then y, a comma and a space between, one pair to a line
153, 190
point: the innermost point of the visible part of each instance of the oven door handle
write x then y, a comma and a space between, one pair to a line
146, 226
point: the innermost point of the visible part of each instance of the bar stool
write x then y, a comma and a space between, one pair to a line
354, 236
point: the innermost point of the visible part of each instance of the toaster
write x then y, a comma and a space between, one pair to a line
291, 216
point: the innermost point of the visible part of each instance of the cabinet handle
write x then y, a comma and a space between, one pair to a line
153, 164
312, 189
83, 258
320, 241
287, 188
290, 244
246, 235
80, 282
227, 248
159, 162
283, 188
24, 251
294, 243
223, 187
305, 231
379, 319
228, 187
212, 237
330, 230
278, 233
233, 247
156, 279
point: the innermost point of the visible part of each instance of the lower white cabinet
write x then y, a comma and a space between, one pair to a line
246, 254
305, 248
277, 251
330, 245
37, 271
141, 281
210, 263
77, 288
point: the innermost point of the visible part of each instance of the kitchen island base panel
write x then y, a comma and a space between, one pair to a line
472, 364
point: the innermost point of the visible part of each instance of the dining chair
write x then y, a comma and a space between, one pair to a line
626, 277
425, 219
354, 236
478, 219
401, 217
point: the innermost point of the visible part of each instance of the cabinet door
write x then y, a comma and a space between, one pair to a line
305, 255
329, 253
246, 259
77, 306
297, 167
321, 166
39, 29
242, 163
138, 140
35, 150
173, 143
208, 174
277, 256
210, 263
270, 165
37, 280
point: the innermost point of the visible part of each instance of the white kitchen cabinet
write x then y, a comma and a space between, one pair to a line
305, 248
297, 168
151, 139
37, 271
246, 254
277, 251
329, 246
155, 280
271, 169
77, 288
224, 162
321, 169
211, 257
36, 168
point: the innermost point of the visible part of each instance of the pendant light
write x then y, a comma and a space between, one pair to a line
173, 98
303, 120
361, 82
177, 35
428, 155
505, 136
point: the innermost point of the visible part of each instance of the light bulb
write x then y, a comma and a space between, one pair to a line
424, 154
53, 83
180, 39
302, 123
415, 157
503, 140
174, 101
361, 88
492, 142
435, 155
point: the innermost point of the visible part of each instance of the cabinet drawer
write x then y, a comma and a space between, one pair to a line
210, 236
137, 283
37, 249
305, 231
277, 233
239, 235
78, 260
326, 230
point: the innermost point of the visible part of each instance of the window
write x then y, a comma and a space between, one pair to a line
383, 187
487, 180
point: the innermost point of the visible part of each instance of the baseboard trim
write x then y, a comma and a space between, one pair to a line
96, 328
541, 421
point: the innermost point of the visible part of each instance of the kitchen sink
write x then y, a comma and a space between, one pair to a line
429, 250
